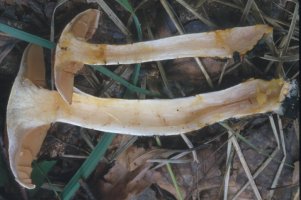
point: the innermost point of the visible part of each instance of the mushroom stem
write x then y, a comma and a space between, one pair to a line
176, 116
73, 50
222, 44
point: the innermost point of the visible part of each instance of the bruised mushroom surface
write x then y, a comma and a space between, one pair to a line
31, 109
72, 51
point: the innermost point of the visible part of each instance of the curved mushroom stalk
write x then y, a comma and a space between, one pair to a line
31, 110
28, 117
72, 51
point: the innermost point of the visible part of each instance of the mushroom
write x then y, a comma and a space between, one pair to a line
72, 50
31, 109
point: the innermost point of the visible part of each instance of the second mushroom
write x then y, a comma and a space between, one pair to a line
73, 50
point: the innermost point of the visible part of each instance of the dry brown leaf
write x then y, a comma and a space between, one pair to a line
130, 175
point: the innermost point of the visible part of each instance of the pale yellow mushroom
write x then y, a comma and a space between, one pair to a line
31, 109
72, 51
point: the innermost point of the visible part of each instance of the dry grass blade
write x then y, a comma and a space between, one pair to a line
228, 168
295, 76
289, 58
268, 67
223, 72
274, 22
297, 195
161, 69
56, 187
228, 4
233, 67
196, 14
269, 41
172, 16
246, 10
180, 155
266, 162
121, 70
5, 50
180, 29
202, 67
127, 142
250, 64
171, 173
282, 8
143, 85
73, 156
227, 71
255, 7
86, 137
276, 178
170, 161
286, 41
190, 145
112, 16
273, 125
200, 3
257, 172
91, 78
296, 127
242, 160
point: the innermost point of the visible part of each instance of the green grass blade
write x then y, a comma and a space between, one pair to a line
39, 174
136, 74
88, 166
26, 36
122, 81
126, 5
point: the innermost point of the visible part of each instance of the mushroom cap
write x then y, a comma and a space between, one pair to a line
82, 27
26, 124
